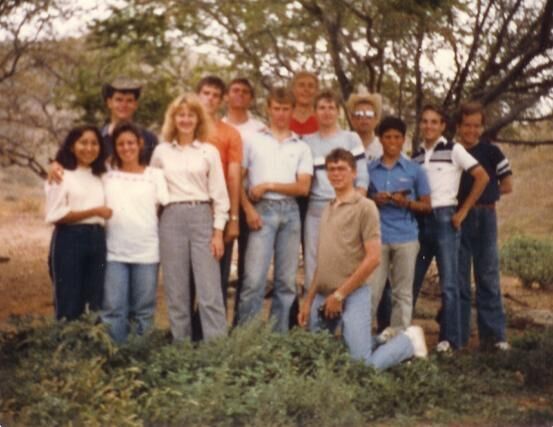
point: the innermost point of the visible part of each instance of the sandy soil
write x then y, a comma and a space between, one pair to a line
26, 288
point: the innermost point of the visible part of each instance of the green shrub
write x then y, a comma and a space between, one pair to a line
529, 259
70, 374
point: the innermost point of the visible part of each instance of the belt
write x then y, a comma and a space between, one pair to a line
191, 202
490, 206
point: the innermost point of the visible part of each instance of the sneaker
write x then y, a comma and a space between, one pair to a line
443, 347
386, 335
502, 346
416, 335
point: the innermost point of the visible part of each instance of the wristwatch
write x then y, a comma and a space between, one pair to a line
338, 295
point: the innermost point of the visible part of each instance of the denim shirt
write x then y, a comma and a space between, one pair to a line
398, 224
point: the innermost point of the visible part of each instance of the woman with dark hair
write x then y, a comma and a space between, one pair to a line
77, 208
134, 192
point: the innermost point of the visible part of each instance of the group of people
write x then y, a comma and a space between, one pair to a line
367, 218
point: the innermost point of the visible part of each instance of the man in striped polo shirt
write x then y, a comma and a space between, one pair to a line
439, 235
329, 137
479, 233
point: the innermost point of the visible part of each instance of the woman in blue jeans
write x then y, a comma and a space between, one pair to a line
134, 192
77, 209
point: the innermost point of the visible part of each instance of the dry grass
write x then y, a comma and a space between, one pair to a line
528, 210
25, 286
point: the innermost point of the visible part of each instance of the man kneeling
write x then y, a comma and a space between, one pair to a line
348, 252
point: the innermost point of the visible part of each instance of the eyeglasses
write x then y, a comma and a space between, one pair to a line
361, 114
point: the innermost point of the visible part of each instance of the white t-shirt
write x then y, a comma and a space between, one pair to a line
132, 230
79, 190
250, 126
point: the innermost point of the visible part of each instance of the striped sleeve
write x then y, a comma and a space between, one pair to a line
502, 165
358, 151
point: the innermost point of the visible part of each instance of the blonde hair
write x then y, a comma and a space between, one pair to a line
203, 128
301, 74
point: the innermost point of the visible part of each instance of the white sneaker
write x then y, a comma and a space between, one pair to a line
386, 335
416, 335
502, 346
443, 347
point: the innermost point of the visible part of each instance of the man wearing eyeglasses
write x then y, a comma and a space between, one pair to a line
364, 113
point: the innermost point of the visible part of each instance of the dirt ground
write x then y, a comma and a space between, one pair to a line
25, 286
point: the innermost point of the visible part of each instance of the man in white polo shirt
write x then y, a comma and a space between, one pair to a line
278, 167
439, 236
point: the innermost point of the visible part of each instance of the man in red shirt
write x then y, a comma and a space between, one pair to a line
227, 140
304, 87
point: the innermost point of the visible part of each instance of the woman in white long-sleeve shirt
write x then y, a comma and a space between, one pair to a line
77, 208
191, 226
134, 192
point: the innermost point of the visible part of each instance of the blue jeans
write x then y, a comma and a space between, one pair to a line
129, 293
479, 246
438, 238
356, 330
279, 236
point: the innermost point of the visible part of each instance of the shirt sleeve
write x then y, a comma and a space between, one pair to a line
155, 161
217, 189
305, 165
57, 203
358, 151
422, 186
370, 222
502, 165
462, 158
162, 193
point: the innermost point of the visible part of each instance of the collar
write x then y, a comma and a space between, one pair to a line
354, 198
441, 140
294, 137
195, 144
402, 161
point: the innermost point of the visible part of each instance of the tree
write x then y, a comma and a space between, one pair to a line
500, 50
28, 120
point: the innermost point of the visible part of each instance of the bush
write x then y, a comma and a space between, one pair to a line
529, 259
63, 374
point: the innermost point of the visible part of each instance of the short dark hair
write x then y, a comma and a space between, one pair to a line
242, 81
281, 95
121, 128
440, 111
391, 122
211, 80
470, 108
67, 159
341, 154
327, 95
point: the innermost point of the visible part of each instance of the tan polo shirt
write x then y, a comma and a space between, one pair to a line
344, 229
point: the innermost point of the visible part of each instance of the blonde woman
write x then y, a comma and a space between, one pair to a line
191, 226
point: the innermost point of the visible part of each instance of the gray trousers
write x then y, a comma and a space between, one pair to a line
185, 237
398, 263
311, 239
